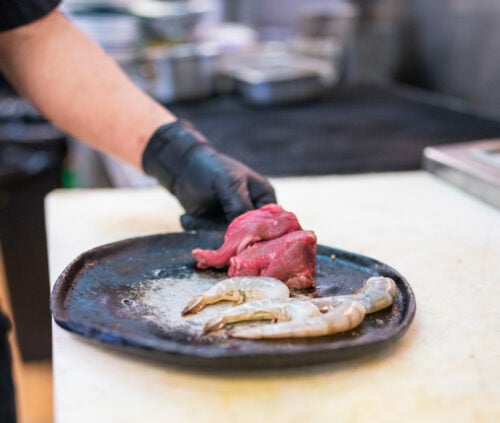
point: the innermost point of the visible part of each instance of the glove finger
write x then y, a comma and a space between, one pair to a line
261, 192
234, 196
190, 222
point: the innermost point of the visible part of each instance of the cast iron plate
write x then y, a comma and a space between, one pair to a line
129, 295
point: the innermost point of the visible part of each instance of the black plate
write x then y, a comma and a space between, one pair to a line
130, 293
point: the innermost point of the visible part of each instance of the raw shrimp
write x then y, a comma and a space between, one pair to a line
343, 312
283, 309
346, 316
378, 292
238, 290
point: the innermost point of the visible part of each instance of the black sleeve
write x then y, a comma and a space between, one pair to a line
14, 13
7, 394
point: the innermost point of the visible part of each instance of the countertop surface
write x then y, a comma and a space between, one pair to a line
447, 365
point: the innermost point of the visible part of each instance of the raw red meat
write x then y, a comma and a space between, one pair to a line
290, 258
268, 222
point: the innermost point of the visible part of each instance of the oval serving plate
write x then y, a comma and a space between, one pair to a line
129, 295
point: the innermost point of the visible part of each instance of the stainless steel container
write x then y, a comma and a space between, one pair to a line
181, 72
174, 21
269, 77
277, 84
159, 63
339, 20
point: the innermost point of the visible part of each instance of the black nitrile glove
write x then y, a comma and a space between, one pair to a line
212, 187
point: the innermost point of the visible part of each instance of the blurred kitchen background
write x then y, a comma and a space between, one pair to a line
277, 52
284, 51
246, 71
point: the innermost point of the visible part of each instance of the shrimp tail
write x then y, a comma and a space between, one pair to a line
213, 325
194, 306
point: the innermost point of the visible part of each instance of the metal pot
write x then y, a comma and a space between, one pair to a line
181, 72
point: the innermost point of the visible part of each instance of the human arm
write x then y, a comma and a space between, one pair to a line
72, 81
79, 87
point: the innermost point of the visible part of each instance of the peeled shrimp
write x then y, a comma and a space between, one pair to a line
283, 309
346, 316
377, 293
343, 313
238, 290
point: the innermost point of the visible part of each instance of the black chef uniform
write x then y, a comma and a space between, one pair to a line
14, 13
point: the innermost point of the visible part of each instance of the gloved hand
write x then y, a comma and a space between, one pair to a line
212, 187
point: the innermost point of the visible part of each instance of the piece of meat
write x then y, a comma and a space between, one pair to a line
290, 258
269, 222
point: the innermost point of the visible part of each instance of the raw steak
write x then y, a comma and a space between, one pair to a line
290, 258
268, 222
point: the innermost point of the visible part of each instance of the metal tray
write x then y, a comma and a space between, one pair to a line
129, 295
273, 76
472, 166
